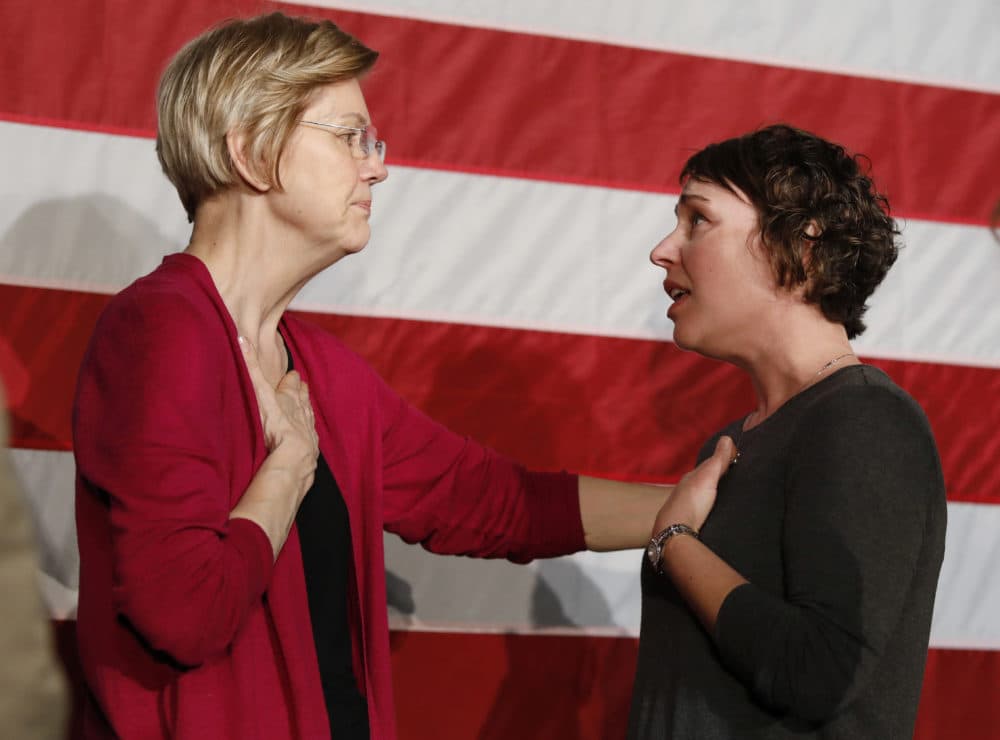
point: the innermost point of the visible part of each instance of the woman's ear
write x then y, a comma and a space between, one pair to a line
238, 147
806, 245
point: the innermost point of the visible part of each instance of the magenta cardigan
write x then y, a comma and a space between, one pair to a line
186, 629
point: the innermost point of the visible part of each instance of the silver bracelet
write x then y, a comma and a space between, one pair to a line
654, 550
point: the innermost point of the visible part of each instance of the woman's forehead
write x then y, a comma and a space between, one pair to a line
341, 100
697, 190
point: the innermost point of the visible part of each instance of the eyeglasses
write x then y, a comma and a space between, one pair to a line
362, 141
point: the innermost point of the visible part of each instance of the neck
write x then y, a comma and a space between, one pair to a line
252, 269
795, 363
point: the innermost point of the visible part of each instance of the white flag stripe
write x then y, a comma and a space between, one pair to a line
598, 592
92, 212
47, 479
914, 41
968, 600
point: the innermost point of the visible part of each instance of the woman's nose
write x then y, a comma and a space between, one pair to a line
373, 169
664, 254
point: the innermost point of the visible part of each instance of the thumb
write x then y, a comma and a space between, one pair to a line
725, 449
252, 361
249, 353
722, 457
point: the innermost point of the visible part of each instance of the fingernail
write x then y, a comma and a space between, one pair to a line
244, 344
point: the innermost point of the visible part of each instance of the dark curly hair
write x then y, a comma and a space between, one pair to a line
822, 223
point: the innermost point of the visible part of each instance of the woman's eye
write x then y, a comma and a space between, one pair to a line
350, 139
696, 218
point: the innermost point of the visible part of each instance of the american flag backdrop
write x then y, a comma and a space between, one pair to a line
533, 150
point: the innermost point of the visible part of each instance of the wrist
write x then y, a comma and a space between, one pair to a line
660, 540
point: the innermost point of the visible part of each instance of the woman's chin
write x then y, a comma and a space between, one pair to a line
684, 340
355, 248
356, 243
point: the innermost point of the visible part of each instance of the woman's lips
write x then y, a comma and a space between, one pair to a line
678, 296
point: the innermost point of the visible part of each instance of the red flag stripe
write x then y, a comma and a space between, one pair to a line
586, 112
580, 687
623, 407
486, 685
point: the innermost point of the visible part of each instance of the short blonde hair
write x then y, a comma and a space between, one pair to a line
253, 75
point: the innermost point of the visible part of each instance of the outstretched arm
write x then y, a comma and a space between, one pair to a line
616, 515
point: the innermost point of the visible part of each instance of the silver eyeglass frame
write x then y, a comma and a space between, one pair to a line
367, 134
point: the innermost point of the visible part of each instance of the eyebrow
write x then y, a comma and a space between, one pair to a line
357, 118
686, 198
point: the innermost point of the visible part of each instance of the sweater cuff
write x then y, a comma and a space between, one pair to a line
554, 516
252, 543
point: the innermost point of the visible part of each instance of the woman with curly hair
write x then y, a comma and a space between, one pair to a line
789, 585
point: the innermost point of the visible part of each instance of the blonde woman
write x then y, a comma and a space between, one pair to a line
236, 465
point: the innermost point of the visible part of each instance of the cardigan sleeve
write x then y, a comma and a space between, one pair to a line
153, 443
863, 481
455, 496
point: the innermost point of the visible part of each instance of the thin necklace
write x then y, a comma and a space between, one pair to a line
812, 379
